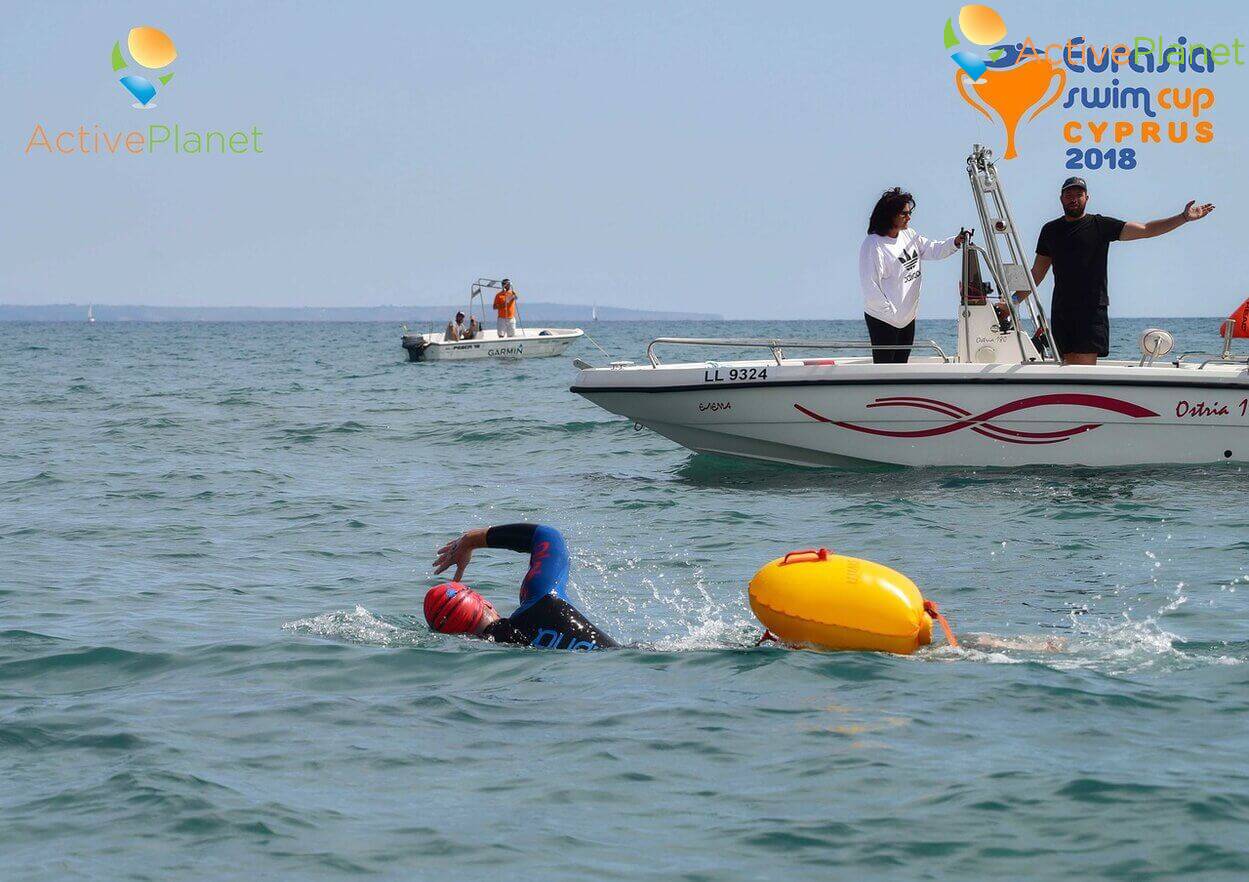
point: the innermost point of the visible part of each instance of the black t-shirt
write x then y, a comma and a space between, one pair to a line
549, 623
1078, 250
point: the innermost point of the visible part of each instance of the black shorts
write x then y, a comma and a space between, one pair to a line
1081, 330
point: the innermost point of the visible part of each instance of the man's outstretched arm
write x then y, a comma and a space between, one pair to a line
1192, 212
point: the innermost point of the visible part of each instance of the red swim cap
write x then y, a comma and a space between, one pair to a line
454, 608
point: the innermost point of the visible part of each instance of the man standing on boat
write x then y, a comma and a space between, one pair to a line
1077, 245
505, 306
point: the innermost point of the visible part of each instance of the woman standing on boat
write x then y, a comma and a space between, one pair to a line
889, 272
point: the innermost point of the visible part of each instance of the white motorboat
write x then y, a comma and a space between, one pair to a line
530, 342
999, 401
936, 411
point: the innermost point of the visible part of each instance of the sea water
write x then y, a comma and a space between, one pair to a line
215, 539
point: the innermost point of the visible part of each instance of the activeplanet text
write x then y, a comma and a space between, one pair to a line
85, 141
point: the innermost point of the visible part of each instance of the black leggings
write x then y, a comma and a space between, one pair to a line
885, 334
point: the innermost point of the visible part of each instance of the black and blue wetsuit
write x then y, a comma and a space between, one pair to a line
544, 618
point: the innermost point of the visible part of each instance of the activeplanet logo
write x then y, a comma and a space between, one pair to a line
150, 48
154, 51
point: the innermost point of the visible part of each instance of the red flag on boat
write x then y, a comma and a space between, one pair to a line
1239, 320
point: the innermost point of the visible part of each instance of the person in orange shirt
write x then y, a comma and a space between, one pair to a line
505, 305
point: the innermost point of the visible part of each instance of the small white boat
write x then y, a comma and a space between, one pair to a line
541, 342
90, 316
528, 343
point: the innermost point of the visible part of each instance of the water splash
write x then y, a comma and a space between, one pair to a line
357, 626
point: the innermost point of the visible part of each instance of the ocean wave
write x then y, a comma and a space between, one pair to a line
83, 669
300, 434
510, 429
42, 479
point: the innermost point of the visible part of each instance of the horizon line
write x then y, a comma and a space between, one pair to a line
710, 316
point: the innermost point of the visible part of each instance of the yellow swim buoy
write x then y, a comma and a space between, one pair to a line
832, 601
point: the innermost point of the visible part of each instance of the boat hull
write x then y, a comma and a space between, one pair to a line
939, 415
431, 347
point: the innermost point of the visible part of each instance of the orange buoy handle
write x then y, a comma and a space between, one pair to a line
931, 609
820, 554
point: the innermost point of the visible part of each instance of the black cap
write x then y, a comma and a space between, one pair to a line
1075, 182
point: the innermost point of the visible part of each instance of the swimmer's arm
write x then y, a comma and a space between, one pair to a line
548, 561
548, 557
513, 537
990, 642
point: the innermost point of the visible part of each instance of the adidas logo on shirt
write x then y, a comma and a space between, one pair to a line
908, 258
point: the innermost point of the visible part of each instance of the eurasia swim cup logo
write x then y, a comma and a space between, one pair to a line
149, 48
1010, 91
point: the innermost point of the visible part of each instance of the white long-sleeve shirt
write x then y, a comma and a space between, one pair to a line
889, 272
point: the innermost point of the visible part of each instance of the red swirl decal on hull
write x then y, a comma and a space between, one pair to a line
981, 424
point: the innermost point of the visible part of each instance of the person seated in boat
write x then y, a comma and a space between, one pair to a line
544, 619
890, 274
473, 330
505, 306
455, 329
1076, 245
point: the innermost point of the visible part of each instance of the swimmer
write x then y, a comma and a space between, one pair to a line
544, 619
991, 643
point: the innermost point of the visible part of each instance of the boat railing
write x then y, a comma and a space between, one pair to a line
1210, 358
777, 347
1228, 330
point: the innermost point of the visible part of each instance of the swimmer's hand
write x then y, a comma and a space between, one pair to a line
459, 552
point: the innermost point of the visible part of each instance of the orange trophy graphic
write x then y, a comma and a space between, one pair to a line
1012, 91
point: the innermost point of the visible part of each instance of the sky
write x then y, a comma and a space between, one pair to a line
718, 156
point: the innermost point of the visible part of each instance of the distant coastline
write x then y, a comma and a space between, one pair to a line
537, 311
